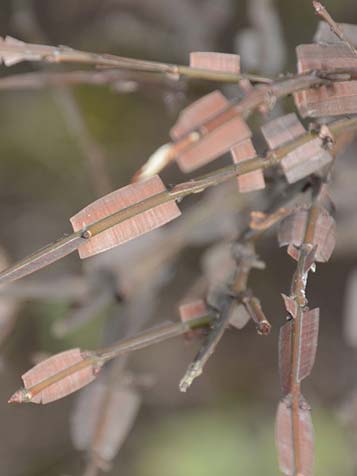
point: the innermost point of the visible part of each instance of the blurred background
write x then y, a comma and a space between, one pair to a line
62, 148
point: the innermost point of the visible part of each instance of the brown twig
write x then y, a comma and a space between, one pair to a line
237, 292
259, 95
196, 367
324, 14
299, 286
96, 359
14, 51
298, 293
68, 105
63, 247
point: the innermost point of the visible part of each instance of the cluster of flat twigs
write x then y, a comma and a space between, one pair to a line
301, 162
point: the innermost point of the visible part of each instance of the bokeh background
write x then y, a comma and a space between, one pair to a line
225, 422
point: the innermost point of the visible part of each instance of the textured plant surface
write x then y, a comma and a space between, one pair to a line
283, 136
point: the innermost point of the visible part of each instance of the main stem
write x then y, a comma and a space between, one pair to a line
298, 290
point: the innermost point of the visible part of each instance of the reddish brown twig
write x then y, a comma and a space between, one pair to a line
324, 14
297, 348
13, 51
63, 247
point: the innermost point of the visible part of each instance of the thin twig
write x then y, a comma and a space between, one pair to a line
196, 367
15, 51
324, 14
237, 292
298, 293
65, 246
258, 96
96, 359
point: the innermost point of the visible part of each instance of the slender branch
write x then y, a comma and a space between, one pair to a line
63, 247
259, 95
196, 367
324, 14
16, 51
298, 293
299, 286
96, 359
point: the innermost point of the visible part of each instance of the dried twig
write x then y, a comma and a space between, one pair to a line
196, 367
237, 293
13, 51
63, 247
68, 379
324, 14
68, 105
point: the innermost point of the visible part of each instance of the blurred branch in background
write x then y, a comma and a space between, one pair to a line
26, 23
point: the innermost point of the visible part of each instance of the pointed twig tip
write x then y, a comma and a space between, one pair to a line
264, 328
317, 6
193, 372
17, 397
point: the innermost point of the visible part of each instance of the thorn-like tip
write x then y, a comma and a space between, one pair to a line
16, 397
317, 6
193, 371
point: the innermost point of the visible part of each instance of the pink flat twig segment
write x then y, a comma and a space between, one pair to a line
253, 180
216, 125
281, 130
286, 426
200, 111
292, 231
332, 100
225, 62
68, 371
307, 349
116, 407
193, 310
302, 161
56, 377
128, 229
